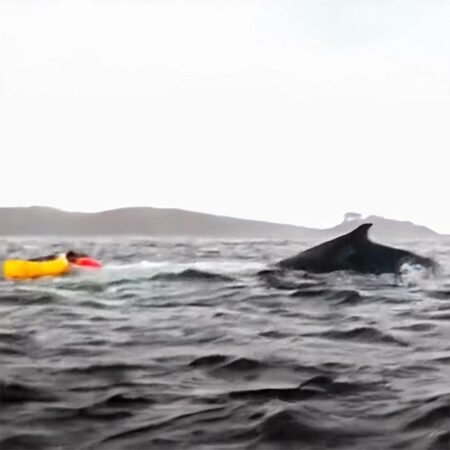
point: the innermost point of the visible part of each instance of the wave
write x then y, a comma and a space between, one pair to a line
15, 392
15, 343
189, 347
177, 421
190, 275
363, 334
227, 363
434, 414
339, 296
26, 441
226, 266
30, 296
300, 427
114, 275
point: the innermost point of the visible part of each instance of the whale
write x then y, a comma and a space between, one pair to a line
355, 252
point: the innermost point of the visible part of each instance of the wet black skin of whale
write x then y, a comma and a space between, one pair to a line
354, 252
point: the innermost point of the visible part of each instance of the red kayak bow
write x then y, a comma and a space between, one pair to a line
87, 261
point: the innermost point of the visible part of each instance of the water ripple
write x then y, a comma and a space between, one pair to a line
197, 345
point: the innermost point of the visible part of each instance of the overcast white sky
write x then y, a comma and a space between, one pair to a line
285, 110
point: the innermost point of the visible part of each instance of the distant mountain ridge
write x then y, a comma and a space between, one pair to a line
387, 228
148, 221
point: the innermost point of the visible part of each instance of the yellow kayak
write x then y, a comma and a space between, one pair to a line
22, 269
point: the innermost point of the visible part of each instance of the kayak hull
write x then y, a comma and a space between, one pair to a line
18, 269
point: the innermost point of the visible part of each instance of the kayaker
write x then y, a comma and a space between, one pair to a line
50, 265
46, 258
71, 256
81, 259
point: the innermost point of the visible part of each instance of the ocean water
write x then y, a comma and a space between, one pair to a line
179, 344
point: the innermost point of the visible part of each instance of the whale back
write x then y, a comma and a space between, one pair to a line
353, 251
340, 253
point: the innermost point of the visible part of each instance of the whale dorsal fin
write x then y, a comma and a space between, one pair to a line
360, 233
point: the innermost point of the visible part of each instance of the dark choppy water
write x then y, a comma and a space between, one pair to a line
178, 345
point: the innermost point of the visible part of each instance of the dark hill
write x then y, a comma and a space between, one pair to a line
137, 221
146, 221
385, 229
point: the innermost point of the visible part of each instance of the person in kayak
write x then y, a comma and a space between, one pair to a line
57, 264
71, 256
